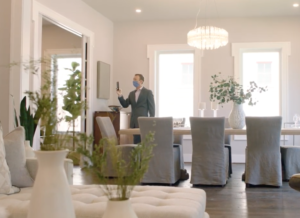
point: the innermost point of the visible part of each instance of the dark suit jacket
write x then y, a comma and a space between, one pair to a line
144, 107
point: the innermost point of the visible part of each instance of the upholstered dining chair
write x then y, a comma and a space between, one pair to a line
227, 142
290, 160
107, 131
164, 167
210, 157
263, 158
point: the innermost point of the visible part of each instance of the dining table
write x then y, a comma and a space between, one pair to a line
228, 131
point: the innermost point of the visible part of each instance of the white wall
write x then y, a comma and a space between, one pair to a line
54, 37
130, 54
4, 60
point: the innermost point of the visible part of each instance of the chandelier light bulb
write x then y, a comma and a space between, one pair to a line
295, 5
207, 37
138, 10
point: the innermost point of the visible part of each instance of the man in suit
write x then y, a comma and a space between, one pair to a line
141, 101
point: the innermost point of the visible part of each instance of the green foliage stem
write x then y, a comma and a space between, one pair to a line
225, 90
45, 102
72, 97
128, 173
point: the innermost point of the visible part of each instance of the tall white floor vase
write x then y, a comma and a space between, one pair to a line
236, 117
119, 209
51, 195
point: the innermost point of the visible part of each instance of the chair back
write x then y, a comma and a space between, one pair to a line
106, 127
263, 158
161, 166
208, 159
263, 134
208, 135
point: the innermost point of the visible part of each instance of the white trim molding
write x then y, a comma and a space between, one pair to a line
152, 54
76, 51
285, 51
38, 12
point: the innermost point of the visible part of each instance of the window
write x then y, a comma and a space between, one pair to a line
187, 73
175, 85
174, 78
266, 63
63, 74
263, 68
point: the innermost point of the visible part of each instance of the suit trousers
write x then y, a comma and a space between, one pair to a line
136, 139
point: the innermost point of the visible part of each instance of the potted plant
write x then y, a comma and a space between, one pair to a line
51, 187
73, 104
226, 90
129, 173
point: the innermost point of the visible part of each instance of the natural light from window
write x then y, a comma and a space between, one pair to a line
175, 85
264, 69
63, 74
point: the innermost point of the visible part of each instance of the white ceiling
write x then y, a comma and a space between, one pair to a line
124, 10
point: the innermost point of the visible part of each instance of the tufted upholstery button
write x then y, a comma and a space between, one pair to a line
147, 201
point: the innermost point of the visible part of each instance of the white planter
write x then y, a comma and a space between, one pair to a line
119, 209
51, 195
236, 117
28, 150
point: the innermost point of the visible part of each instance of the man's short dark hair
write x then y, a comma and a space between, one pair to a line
141, 76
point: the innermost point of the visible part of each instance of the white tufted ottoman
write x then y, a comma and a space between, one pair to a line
147, 202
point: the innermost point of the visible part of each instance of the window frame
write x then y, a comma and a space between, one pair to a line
284, 49
153, 52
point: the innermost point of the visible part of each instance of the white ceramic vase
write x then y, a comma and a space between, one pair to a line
119, 209
236, 117
51, 195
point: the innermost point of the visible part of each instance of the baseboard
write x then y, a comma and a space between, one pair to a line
236, 158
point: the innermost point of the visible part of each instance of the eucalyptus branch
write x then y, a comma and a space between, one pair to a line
225, 90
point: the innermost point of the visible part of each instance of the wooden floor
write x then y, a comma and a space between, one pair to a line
235, 200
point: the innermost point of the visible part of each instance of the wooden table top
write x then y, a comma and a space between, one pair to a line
229, 131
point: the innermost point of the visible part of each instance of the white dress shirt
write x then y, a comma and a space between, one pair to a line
137, 94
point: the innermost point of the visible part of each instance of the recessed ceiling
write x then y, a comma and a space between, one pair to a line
124, 10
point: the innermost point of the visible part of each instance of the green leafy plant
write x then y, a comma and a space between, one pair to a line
44, 108
128, 174
72, 97
45, 102
28, 121
225, 90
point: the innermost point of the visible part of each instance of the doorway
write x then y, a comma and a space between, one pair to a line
66, 48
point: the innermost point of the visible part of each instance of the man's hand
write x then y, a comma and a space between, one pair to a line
119, 92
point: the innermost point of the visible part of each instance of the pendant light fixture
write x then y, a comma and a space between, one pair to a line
207, 37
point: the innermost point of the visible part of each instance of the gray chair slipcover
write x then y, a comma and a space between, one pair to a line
290, 157
227, 141
164, 167
263, 159
210, 158
107, 131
